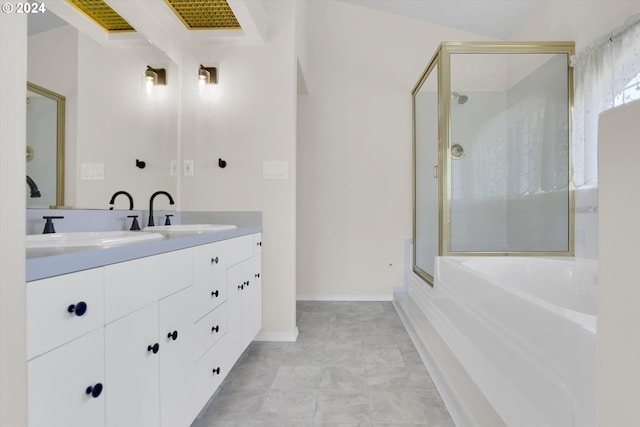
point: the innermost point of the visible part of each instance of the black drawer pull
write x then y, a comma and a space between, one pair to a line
257, 275
153, 348
79, 309
173, 335
214, 293
94, 390
214, 260
241, 287
215, 328
217, 370
246, 283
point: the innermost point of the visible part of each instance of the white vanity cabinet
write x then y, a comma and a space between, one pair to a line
136, 341
245, 299
65, 348
144, 342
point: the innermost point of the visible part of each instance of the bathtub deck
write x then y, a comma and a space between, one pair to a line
466, 403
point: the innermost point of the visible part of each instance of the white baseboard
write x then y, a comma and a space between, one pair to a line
277, 336
345, 297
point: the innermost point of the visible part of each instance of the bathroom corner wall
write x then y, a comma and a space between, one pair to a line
355, 147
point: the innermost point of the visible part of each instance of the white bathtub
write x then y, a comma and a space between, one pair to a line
524, 329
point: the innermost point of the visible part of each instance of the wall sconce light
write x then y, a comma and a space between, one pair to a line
207, 75
155, 76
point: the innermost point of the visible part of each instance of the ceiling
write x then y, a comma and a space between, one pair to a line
166, 24
494, 18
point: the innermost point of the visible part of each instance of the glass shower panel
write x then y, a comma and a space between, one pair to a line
425, 110
509, 165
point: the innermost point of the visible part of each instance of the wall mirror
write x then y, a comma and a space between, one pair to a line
45, 147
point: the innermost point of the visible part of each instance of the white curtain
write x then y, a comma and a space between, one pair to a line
607, 74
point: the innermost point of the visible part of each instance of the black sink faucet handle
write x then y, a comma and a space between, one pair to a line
167, 221
134, 224
48, 226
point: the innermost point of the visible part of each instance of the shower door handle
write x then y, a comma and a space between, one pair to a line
435, 171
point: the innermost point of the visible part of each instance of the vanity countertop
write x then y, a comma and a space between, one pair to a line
49, 262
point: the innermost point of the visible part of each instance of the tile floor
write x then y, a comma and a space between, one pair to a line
352, 365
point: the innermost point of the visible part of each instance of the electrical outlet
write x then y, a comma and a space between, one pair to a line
188, 168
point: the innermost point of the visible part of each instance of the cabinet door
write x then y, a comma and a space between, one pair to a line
132, 369
245, 302
62, 308
252, 301
58, 382
235, 293
176, 359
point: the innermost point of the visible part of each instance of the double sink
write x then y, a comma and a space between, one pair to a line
108, 239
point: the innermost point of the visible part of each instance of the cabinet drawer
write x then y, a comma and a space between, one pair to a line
58, 383
209, 330
223, 253
62, 308
211, 370
134, 284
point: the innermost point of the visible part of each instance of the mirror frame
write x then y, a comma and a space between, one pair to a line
60, 124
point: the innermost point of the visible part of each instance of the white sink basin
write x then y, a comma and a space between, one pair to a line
188, 229
87, 239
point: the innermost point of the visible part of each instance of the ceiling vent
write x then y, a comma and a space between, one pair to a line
102, 14
205, 14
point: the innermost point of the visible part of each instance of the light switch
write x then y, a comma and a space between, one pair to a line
275, 170
92, 171
188, 168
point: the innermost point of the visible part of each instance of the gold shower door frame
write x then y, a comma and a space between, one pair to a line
442, 59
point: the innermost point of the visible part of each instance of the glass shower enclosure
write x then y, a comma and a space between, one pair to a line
492, 152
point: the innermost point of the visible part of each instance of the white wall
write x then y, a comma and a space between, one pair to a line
354, 147
248, 118
13, 343
619, 293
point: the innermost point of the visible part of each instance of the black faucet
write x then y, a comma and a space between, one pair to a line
33, 187
153, 196
116, 194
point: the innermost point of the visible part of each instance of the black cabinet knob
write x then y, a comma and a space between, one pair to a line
173, 335
259, 244
215, 328
246, 283
257, 275
214, 293
214, 260
78, 309
241, 287
154, 348
94, 390
216, 371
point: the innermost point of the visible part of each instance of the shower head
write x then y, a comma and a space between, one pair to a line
461, 98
